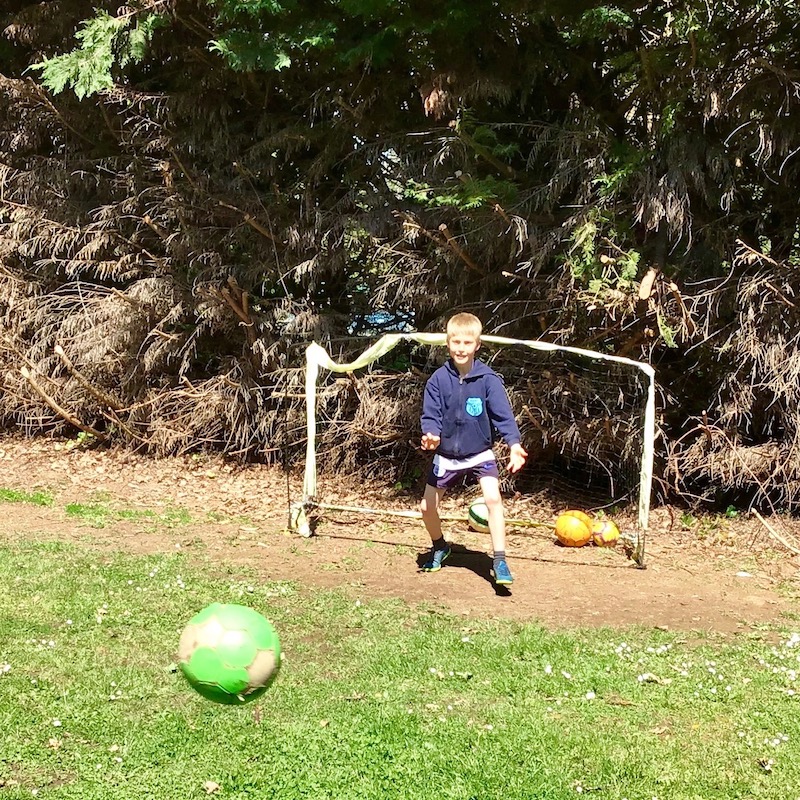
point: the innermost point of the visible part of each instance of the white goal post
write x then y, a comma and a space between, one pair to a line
317, 358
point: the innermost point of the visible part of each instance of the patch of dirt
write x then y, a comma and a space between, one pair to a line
724, 575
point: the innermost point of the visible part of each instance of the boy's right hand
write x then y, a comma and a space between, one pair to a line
430, 441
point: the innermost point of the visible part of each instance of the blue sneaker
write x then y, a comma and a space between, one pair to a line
437, 558
502, 574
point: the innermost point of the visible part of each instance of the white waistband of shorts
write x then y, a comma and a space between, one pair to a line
455, 464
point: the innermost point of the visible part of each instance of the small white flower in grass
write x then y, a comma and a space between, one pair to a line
590, 695
566, 674
56, 723
358, 604
69, 622
466, 639
548, 669
5, 669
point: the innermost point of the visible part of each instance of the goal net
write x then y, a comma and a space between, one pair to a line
587, 420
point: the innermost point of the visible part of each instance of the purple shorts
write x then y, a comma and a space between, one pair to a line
450, 478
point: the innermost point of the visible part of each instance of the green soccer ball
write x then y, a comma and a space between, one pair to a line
479, 516
229, 653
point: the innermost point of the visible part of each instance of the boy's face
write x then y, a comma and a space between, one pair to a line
462, 347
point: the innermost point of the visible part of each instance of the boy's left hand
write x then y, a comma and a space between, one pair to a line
517, 458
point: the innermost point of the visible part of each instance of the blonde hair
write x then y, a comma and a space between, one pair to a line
464, 323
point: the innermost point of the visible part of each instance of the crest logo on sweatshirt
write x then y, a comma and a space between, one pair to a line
474, 406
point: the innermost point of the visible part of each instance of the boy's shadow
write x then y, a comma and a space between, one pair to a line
477, 561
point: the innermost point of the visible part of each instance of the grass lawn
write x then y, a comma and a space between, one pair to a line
375, 699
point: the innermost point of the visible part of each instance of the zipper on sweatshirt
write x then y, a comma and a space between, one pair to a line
459, 426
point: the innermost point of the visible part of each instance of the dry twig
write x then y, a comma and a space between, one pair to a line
775, 535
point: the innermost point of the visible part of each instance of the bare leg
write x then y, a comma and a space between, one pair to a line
430, 511
490, 487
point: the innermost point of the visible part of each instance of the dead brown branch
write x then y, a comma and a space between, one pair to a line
62, 412
106, 399
237, 299
457, 249
251, 221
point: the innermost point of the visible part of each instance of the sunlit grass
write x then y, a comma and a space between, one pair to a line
375, 698
102, 510
99, 514
36, 498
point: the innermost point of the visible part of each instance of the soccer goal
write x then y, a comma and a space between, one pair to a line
587, 420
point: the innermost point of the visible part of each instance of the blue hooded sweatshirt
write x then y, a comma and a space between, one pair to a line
466, 411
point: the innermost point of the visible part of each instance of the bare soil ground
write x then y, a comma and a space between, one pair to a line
719, 575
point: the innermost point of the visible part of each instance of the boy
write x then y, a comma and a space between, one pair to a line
464, 401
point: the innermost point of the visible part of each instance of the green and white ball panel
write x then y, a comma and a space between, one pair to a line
229, 653
479, 517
